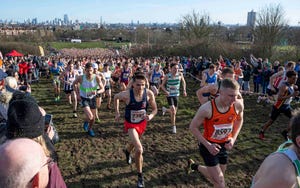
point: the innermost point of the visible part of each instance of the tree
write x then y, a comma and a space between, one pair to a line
195, 26
270, 28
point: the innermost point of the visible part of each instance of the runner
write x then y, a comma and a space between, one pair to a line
156, 76
172, 81
136, 117
222, 119
283, 103
88, 91
55, 71
125, 75
210, 91
109, 81
68, 77
281, 169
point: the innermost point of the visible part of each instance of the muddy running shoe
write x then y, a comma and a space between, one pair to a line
285, 135
91, 132
85, 126
189, 166
140, 182
128, 157
164, 110
261, 135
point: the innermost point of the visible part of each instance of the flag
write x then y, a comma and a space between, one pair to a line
41, 51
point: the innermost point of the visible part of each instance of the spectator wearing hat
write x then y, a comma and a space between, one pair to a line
25, 119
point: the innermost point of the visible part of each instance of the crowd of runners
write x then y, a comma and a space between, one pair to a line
87, 81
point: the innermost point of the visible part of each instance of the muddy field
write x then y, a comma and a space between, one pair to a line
100, 162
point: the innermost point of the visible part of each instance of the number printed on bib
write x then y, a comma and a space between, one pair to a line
221, 131
137, 115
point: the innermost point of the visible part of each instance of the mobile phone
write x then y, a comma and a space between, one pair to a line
48, 119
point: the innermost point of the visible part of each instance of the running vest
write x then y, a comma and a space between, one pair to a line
219, 127
136, 111
211, 79
287, 101
68, 81
88, 88
55, 71
125, 75
107, 76
292, 156
155, 78
173, 85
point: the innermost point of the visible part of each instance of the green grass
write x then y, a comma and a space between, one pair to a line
96, 44
100, 162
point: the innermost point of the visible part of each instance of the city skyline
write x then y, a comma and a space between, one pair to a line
152, 11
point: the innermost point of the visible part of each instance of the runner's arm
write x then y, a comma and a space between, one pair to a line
153, 105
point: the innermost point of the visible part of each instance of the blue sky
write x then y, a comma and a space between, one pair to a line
125, 11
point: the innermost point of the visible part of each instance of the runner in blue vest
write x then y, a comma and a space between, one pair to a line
171, 86
282, 168
137, 99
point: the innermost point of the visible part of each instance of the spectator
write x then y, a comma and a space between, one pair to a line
25, 119
27, 164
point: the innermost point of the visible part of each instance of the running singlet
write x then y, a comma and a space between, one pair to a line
68, 81
173, 85
107, 76
55, 72
88, 88
287, 101
211, 79
125, 75
219, 127
155, 77
292, 156
136, 111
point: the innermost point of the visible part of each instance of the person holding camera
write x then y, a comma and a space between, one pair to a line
25, 119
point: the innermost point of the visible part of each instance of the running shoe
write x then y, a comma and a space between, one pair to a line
108, 107
164, 110
98, 120
128, 157
55, 99
261, 135
140, 182
74, 115
189, 166
85, 126
91, 132
174, 130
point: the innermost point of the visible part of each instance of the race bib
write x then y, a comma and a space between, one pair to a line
156, 79
137, 116
221, 131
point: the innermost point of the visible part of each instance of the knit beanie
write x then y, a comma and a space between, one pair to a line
24, 118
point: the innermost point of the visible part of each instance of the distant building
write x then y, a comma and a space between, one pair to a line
66, 19
34, 21
251, 18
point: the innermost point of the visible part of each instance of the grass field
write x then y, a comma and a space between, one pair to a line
83, 45
100, 162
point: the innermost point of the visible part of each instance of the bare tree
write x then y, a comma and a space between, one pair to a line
195, 26
270, 26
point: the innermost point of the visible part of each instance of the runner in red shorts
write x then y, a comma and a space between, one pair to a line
137, 100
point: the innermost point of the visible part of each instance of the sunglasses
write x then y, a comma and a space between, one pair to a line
35, 179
